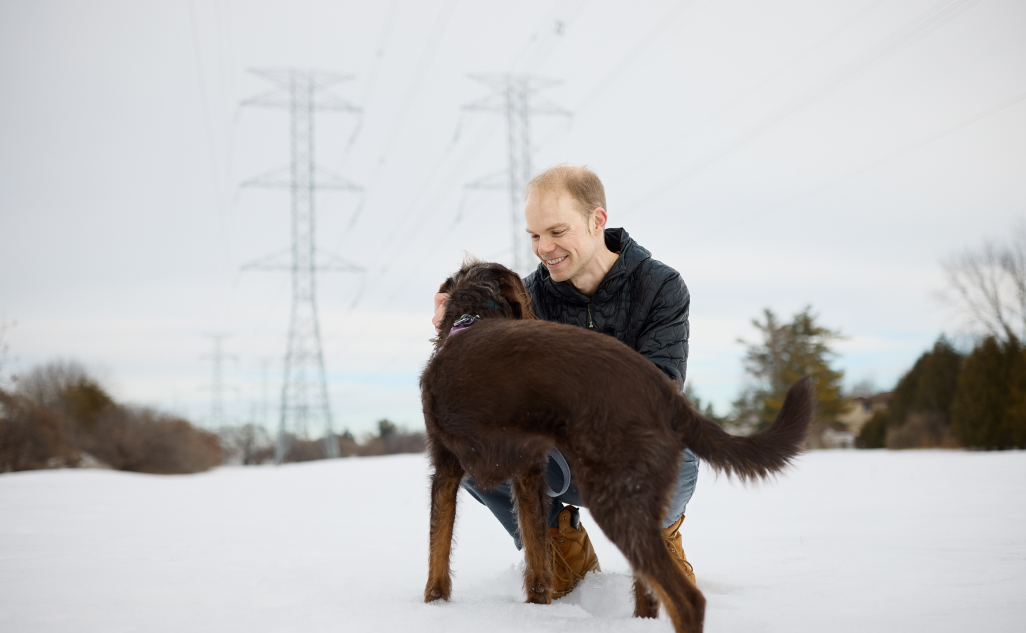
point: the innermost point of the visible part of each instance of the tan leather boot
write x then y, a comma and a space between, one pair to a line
673, 541
572, 555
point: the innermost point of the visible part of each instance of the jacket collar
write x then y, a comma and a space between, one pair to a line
631, 256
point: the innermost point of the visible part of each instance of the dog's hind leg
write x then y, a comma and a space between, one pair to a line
532, 513
640, 538
445, 484
645, 603
683, 601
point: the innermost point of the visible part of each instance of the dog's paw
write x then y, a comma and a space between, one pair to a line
539, 595
435, 593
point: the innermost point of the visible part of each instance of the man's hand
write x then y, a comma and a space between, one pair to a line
440, 299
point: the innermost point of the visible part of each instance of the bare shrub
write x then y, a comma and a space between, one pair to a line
405, 441
370, 447
33, 437
5, 349
392, 439
46, 385
246, 445
347, 445
67, 388
61, 413
988, 284
147, 441
922, 430
389, 440
306, 450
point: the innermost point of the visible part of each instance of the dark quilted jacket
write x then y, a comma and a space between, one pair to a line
642, 302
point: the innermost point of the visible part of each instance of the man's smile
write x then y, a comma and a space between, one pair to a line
553, 262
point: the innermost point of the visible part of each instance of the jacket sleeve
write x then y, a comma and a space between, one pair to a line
664, 337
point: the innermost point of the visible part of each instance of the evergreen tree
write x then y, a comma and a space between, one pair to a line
874, 432
929, 386
789, 351
989, 407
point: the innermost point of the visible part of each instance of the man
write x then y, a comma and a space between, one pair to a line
600, 279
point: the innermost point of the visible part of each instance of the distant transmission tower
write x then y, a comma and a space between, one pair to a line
516, 97
217, 386
304, 393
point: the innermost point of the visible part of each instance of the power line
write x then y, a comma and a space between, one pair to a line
563, 14
654, 35
544, 46
756, 87
434, 40
910, 33
379, 53
208, 126
869, 166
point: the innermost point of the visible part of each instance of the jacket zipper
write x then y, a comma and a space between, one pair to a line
591, 324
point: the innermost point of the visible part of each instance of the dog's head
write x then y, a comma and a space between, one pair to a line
486, 289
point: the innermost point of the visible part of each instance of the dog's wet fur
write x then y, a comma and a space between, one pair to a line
500, 394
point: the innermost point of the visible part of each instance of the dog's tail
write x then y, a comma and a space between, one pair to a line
756, 455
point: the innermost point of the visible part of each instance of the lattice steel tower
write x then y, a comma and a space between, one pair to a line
304, 393
217, 386
515, 96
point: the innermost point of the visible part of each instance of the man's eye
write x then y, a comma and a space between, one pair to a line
558, 233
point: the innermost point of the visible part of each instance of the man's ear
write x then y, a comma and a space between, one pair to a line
597, 220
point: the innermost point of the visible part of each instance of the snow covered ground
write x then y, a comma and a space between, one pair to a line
846, 541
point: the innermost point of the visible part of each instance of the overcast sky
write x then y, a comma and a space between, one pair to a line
778, 154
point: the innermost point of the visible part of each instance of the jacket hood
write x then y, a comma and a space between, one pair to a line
631, 256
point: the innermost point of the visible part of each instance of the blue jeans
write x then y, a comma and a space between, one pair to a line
500, 498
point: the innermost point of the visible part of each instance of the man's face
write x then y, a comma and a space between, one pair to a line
561, 237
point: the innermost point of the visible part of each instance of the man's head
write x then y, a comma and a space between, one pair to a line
566, 219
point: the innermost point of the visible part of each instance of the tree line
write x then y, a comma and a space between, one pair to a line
948, 399
977, 398
58, 415
952, 399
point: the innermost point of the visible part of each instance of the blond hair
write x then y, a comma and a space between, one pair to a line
579, 182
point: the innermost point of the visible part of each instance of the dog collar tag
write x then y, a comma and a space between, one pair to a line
465, 321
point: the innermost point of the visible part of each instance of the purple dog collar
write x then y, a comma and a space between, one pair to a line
459, 325
463, 323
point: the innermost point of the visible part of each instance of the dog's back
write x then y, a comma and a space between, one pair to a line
506, 387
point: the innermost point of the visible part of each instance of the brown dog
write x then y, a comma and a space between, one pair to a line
500, 393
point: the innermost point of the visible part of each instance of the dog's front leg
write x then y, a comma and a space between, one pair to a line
445, 484
532, 512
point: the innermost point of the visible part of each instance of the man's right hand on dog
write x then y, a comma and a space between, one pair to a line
440, 299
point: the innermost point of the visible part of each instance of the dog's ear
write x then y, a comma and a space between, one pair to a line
516, 295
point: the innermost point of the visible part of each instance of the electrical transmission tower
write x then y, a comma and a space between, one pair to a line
217, 386
516, 97
304, 393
